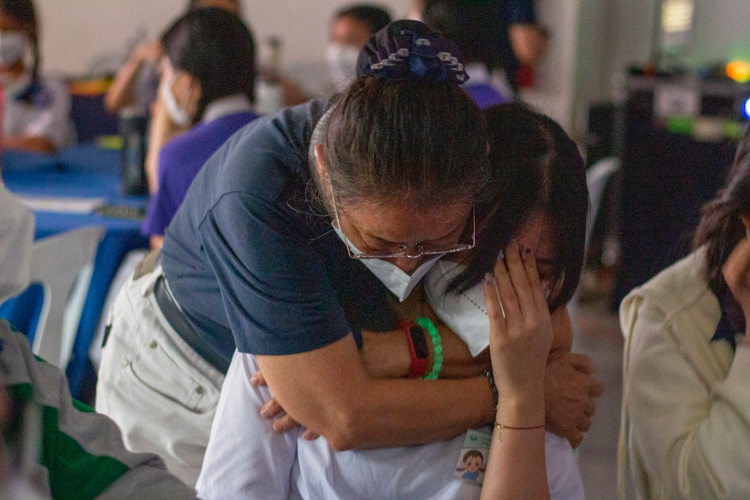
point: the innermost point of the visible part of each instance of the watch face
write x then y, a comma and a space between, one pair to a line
420, 344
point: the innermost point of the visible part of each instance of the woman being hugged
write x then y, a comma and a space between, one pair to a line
249, 263
36, 114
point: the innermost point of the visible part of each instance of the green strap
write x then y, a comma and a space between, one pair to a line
437, 364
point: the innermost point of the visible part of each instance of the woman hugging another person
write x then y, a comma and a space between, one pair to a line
536, 212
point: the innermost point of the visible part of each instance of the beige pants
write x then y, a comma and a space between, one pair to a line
160, 392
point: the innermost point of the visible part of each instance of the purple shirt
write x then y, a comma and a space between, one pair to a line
179, 162
484, 95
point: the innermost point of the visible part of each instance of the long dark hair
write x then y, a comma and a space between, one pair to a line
534, 165
214, 46
23, 11
720, 227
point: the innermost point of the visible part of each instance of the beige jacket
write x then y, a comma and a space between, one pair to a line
685, 429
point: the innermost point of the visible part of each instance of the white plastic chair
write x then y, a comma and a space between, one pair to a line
63, 264
598, 176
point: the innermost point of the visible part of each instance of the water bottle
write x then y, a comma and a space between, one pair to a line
133, 128
269, 97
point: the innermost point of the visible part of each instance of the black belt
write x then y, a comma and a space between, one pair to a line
177, 320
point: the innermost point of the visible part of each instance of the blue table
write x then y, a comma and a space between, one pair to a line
80, 172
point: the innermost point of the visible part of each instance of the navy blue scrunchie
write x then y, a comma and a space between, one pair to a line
409, 50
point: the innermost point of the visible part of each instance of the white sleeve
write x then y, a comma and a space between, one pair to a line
53, 120
17, 230
245, 458
563, 477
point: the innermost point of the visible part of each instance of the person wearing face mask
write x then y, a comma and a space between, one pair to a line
207, 90
251, 261
36, 114
350, 29
539, 199
136, 84
51, 444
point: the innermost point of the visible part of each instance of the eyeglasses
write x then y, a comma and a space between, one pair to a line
419, 248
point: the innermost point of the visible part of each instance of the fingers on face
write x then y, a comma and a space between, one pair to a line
519, 279
508, 298
491, 297
532, 274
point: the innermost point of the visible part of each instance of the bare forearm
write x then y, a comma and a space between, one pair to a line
413, 412
329, 392
36, 144
120, 93
515, 466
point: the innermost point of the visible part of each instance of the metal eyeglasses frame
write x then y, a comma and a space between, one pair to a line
421, 252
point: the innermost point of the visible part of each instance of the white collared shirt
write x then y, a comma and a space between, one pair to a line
225, 106
49, 117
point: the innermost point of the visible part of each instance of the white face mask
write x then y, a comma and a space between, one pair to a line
16, 236
464, 313
12, 46
396, 280
342, 64
177, 114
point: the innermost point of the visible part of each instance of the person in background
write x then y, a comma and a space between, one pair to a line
686, 399
36, 114
523, 41
51, 445
207, 87
351, 27
136, 84
520, 41
474, 26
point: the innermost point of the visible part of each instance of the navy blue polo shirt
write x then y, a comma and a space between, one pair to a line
251, 260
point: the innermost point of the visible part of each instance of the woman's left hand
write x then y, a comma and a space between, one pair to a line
520, 324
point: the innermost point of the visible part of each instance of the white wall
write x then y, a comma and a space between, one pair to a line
555, 75
75, 32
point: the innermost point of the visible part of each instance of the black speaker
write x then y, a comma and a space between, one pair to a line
671, 166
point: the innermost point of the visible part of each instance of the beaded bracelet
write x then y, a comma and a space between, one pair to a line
491, 379
437, 365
